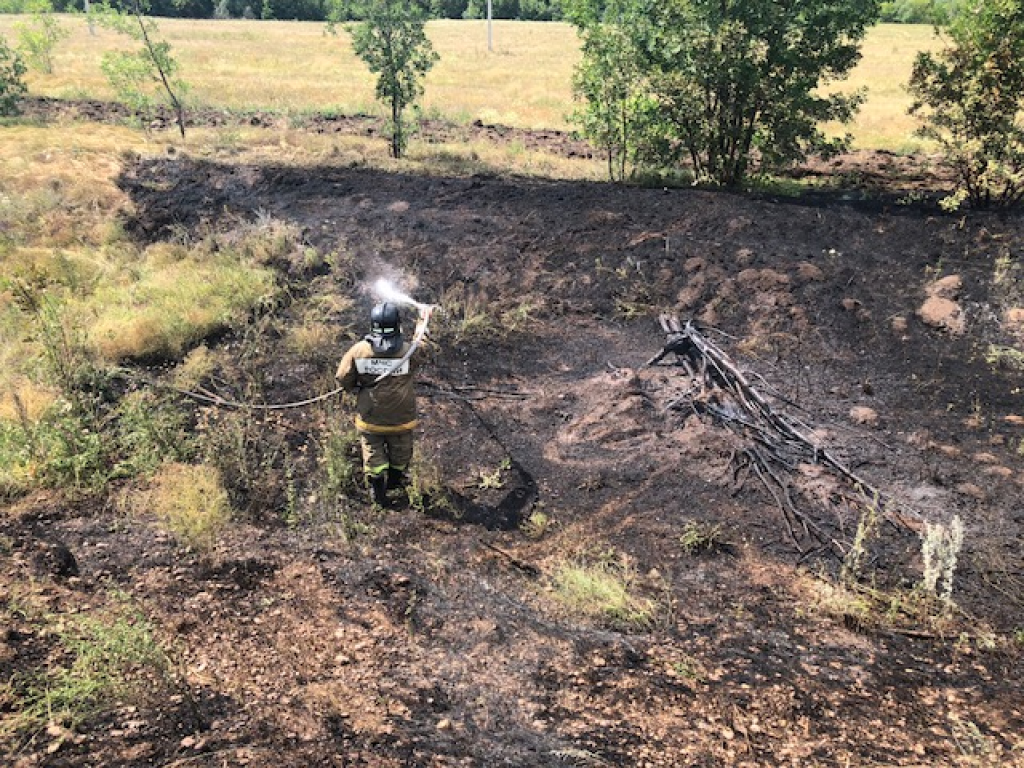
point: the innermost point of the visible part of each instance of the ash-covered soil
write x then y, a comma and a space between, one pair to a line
349, 637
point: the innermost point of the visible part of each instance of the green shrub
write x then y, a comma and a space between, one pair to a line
426, 491
727, 88
38, 36
15, 471
107, 661
339, 461
150, 430
701, 537
61, 450
191, 501
12, 84
969, 96
253, 459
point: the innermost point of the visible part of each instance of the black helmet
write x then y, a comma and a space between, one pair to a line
385, 328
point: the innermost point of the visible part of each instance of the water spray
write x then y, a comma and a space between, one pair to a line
388, 291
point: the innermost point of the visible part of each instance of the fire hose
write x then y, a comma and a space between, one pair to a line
425, 312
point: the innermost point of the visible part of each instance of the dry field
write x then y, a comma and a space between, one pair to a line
525, 82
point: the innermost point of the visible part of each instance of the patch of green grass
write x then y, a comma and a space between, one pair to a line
700, 537
495, 479
101, 661
191, 501
1005, 357
156, 311
602, 590
689, 668
537, 524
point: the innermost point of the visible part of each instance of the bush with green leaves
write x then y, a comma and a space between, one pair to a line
139, 77
92, 432
39, 35
717, 85
12, 83
391, 40
612, 86
80, 450
105, 661
971, 98
150, 428
916, 11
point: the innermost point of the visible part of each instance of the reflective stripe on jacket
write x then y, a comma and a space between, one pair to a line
383, 407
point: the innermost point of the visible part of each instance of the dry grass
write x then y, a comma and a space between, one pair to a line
23, 400
191, 501
198, 365
131, 305
298, 67
524, 82
889, 52
24, 395
57, 183
158, 310
313, 339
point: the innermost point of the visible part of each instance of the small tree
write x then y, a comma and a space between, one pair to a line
726, 83
38, 36
392, 41
971, 98
135, 74
612, 87
12, 84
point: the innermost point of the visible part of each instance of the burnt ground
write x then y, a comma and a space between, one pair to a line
351, 637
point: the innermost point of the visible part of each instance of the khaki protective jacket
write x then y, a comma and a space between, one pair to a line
384, 407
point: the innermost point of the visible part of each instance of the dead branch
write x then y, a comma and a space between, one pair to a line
776, 443
528, 568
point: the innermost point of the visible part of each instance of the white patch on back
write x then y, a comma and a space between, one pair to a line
377, 366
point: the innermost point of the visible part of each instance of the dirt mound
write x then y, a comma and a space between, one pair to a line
436, 641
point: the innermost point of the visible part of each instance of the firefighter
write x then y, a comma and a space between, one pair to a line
375, 370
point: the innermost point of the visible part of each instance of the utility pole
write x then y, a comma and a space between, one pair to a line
490, 36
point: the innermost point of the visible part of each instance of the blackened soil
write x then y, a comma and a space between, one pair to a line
355, 637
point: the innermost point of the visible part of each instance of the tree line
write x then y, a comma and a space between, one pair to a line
895, 11
314, 10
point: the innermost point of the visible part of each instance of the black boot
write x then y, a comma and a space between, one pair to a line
379, 489
397, 478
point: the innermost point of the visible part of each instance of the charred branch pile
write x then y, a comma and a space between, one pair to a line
772, 445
